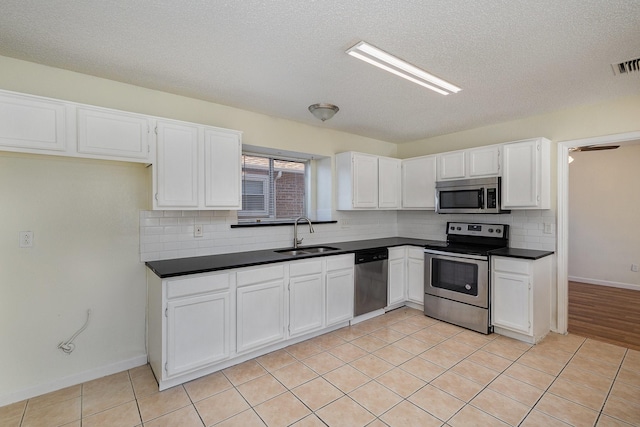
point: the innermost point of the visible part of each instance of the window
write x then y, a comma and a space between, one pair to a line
272, 188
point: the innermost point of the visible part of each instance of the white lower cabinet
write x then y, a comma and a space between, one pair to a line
521, 304
306, 297
191, 348
406, 275
340, 288
415, 275
202, 323
175, 305
260, 307
397, 280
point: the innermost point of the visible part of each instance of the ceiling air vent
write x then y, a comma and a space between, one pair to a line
626, 67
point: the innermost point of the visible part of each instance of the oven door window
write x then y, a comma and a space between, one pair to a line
461, 199
456, 276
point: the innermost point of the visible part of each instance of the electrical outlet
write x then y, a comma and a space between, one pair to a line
26, 239
197, 231
547, 228
634, 267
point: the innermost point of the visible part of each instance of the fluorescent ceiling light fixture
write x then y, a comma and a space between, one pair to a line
397, 66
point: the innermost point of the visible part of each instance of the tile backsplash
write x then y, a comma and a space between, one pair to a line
170, 234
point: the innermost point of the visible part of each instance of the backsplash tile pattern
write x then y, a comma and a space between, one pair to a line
526, 228
169, 234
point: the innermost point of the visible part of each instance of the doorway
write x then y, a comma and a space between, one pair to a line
563, 213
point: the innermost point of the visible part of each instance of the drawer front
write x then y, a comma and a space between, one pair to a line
339, 262
197, 285
304, 268
512, 265
260, 275
397, 252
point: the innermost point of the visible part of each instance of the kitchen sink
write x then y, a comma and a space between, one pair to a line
307, 250
319, 249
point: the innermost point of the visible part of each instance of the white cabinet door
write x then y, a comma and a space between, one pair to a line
306, 304
339, 283
520, 186
177, 166
483, 161
526, 175
511, 301
198, 331
223, 154
451, 165
365, 181
28, 122
419, 183
397, 283
113, 134
415, 275
260, 315
389, 182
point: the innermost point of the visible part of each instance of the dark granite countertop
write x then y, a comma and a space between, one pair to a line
204, 264
521, 253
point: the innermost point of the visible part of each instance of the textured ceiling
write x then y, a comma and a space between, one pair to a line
512, 58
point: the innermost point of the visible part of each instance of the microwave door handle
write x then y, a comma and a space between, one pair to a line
481, 198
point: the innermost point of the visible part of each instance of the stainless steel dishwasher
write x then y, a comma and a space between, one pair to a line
370, 280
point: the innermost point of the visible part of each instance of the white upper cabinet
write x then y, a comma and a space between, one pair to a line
471, 163
222, 169
526, 175
419, 183
113, 134
197, 167
32, 124
389, 181
451, 165
366, 181
484, 161
176, 168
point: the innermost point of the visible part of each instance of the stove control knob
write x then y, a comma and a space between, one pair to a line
491, 230
452, 228
467, 287
458, 228
498, 230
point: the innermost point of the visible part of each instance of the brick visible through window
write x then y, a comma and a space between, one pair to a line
272, 188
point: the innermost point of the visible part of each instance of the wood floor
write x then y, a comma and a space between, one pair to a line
605, 313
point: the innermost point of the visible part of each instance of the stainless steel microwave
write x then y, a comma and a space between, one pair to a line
480, 195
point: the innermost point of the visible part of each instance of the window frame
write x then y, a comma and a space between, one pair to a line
246, 217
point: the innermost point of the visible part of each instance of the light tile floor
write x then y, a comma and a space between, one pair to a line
399, 369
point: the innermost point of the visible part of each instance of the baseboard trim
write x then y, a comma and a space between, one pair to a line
72, 380
604, 283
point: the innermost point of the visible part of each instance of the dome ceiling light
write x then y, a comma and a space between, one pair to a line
323, 111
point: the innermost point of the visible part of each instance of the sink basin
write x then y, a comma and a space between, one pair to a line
292, 252
318, 249
307, 250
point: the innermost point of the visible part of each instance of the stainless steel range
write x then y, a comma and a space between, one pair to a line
456, 279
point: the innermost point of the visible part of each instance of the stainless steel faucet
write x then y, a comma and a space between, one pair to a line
297, 241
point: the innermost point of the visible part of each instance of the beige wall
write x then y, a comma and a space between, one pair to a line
85, 217
604, 201
617, 116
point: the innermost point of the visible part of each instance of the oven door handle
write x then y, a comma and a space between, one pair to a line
456, 255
